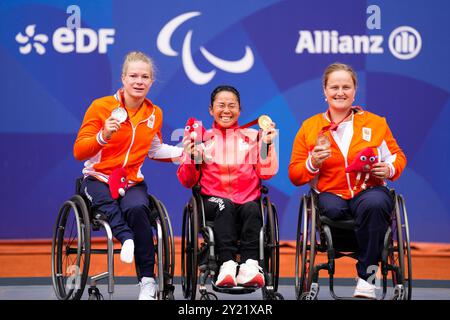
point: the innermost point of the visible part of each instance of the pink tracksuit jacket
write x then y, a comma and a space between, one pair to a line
231, 167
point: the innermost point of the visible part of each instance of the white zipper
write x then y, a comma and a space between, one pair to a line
134, 134
131, 144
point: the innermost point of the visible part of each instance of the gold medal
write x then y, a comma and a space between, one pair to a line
264, 122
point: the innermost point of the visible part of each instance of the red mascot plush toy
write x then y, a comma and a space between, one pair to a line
118, 182
363, 163
195, 130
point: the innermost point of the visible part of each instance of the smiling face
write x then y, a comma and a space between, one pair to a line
340, 90
137, 80
225, 109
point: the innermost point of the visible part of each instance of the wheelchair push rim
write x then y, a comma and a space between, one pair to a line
305, 251
71, 250
189, 250
400, 255
271, 246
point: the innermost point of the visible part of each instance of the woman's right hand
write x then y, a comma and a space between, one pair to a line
190, 148
319, 155
111, 126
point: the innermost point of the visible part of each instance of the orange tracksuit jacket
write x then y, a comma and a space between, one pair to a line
369, 130
127, 148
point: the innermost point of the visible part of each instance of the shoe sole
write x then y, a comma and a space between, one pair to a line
257, 281
362, 295
227, 282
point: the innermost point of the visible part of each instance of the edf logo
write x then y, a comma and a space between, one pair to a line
71, 38
65, 40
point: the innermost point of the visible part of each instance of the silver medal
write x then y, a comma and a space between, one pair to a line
120, 114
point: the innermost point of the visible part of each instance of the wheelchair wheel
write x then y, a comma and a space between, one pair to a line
305, 249
189, 250
71, 247
271, 243
167, 254
400, 255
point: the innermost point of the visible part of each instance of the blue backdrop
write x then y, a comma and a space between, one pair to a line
274, 52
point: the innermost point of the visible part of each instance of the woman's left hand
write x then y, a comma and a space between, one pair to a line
269, 134
380, 170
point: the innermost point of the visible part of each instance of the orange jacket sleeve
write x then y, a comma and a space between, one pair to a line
298, 171
88, 143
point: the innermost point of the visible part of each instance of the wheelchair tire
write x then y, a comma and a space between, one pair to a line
400, 256
167, 256
71, 247
305, 248
271, 244
189, 250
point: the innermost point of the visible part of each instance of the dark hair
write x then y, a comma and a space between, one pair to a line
225, 88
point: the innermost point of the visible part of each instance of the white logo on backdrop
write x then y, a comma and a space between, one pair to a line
192, 71
65, 40
38, 40
405, 42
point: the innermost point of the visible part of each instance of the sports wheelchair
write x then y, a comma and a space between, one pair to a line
199, 261
316, 232
71, 249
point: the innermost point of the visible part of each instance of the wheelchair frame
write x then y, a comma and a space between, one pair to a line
192, 253
395, 257
71, 250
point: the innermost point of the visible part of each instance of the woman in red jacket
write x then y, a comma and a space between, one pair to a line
229, 167
121, 131
327, 144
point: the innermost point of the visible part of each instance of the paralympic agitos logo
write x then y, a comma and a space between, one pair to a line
192, 71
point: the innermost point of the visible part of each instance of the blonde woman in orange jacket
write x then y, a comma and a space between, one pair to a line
121, 131
327, 144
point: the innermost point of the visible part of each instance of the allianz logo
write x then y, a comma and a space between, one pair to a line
404, 43
66, 40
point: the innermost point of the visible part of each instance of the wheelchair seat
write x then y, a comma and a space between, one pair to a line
347, 224
71, 248
199, 260
337, 238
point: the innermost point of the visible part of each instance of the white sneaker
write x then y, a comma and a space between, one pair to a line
227, 274
127, 252
364, 290
250, 274
149, 289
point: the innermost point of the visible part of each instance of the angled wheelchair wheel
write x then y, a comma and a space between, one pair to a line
165, 252
271, 244
71, 246
400, 255
306, 247
189, 250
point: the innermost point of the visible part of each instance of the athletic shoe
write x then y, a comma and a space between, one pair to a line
227, 274
364, 290
149, 289
250, 274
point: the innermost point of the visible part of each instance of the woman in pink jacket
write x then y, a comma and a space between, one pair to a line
229, 167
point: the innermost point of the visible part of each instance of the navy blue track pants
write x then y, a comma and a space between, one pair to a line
371, 210
128, 218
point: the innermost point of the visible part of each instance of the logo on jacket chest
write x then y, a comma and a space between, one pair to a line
151, 121
366, 134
